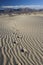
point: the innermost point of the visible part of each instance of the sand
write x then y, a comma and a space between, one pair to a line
21, 40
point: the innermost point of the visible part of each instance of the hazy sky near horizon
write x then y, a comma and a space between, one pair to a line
20, 2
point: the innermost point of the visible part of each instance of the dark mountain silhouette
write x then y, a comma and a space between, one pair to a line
19, 10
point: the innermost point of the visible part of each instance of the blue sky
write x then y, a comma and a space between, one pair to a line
20, 2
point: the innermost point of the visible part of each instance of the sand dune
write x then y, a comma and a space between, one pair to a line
19, 45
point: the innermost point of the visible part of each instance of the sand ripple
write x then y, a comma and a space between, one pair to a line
18, 49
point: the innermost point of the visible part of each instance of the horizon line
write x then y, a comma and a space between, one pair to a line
23, 6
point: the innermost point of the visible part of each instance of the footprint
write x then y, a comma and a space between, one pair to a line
14, 42
22, 50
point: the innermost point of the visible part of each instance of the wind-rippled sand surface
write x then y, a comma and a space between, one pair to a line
21, 40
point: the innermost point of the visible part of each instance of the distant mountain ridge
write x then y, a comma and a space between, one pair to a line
19, 10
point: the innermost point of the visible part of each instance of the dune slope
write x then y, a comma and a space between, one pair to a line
17, 48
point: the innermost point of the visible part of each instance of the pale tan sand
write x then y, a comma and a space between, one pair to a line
21, 40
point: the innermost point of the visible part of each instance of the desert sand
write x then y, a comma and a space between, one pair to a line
21, 40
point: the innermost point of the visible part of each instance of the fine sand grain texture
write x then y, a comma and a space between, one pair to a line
21, 40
